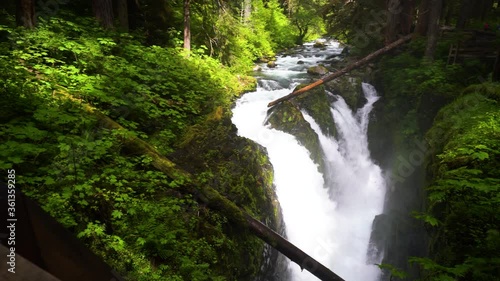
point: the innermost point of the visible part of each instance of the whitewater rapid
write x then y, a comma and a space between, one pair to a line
330, 220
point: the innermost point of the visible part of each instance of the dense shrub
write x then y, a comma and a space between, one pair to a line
115, 201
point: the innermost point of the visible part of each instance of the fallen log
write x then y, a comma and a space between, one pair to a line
291, 251
209, 196
343, 70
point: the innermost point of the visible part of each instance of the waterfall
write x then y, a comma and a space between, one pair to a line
330, 216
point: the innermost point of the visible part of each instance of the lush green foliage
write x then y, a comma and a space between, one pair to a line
127, 80
464, 195
270, 15
393, 270
307, 20
81, 173
462, 158
238, 41
357, 23
224, 32
418, 91
240, 44
115, 201
414, 95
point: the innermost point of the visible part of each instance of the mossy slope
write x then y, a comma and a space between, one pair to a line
240, 170
287, 117
464, 202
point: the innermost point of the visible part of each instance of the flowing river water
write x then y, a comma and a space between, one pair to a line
330, 219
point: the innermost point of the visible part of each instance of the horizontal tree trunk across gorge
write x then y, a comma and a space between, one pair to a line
343, 70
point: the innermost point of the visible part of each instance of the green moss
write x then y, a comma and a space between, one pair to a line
463, 195
248, 84
315, 102
460, 159
240, 170
349, 88
287, 117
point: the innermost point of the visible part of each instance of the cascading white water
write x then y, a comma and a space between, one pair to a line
330, 221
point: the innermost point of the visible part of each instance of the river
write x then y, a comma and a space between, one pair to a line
330, 219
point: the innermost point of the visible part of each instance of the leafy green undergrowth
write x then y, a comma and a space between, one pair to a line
407, 80
140, 86
134, 217
414, 90
463, 156
464, 198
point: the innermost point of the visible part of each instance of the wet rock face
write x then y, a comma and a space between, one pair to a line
319, 44
349, 88
317, 70
287, 117
316, 103
240, 170
378, 238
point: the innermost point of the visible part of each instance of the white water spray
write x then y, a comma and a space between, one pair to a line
330, 221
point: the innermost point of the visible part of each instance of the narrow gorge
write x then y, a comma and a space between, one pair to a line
329, 199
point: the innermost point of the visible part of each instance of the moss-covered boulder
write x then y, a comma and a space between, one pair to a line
349, 88
319, 44
316, 103
317, 70
240, 170
287, 117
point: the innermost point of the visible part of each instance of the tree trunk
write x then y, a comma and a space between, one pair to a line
407, 16
433, 30
393, 20
465, 12
486, 6
103, 11
399, 19
448, 12
247, 10
123, 15
423, 18
291, 251
25, 13
187, 26
344, 70
302, 33
207, 195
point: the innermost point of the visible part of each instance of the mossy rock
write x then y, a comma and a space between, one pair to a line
271, 64
315, 102
319, 44
241, 171
287, 117
239, 168
349, 88
317, 70
248, 83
